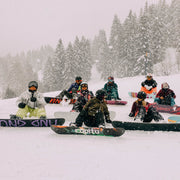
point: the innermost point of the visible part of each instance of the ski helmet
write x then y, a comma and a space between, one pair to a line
149, 75
110, 79
100, 94
84, 86
165, 85
141, 95
33, 86
78, 78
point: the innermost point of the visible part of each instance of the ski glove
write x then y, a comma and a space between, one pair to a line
148, 87
131, 114
108, 121
33, 99
21, 105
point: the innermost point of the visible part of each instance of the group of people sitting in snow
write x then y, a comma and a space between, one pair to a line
93, 109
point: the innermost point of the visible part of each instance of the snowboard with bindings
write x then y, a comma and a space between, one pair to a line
166, 108
55, 100
149, 96
73, 115
31, 122
145, 126
116, 102
88, 130
174, 119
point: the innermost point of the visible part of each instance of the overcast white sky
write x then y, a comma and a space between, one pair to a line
28, 24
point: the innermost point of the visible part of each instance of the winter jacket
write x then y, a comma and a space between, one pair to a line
25, 98
151, 82
74, 86
137, 104
82, 100
95, 105
109, 88
165, 93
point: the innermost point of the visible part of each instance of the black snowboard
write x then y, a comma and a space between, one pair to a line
52, 100
31, 122
147, 126
88, 131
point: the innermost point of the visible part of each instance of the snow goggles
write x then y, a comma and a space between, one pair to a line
32, 88
78, 81
84, 87
149, 77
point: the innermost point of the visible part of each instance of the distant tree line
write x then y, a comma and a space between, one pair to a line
139, 43
133, 48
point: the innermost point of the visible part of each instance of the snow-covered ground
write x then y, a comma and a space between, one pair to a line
40, 154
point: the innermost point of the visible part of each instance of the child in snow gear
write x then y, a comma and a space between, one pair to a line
149, 86
143, 111
111, 89
94, 112
72, 91
165, 95
83, 97
32, 102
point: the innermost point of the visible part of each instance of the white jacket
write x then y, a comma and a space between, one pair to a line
25, 97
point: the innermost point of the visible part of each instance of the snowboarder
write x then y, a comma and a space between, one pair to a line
165, 95
72, 91
143, 110
32, 102
83, 97
94, 113
149, 86
111, 89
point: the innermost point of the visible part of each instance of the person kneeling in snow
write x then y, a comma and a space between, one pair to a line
165, 95
83, 97
94, 112
143, 110
32, 102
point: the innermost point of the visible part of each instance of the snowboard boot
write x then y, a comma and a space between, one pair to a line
14, 117
42, 117
154, 114
141, 114
72, 101
73, 125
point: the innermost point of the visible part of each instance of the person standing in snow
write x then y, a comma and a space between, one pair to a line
143, 110
32, 102
111, 89
165, 95
94, 113
83, 97
149, 86
71, 93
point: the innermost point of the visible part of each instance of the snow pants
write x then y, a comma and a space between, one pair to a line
153, 90
69, 95
112, 95
170, 102
90, 121
23, 112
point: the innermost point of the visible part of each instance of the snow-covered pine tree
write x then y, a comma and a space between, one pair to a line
144, 42
87, 59
130, 45
70, 66
49, 77
158, 32
104, 65
116, 47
